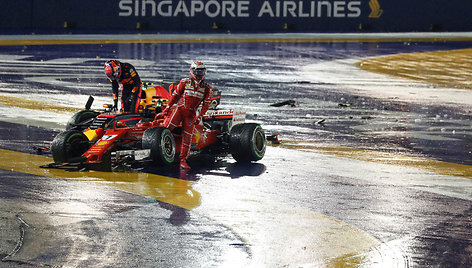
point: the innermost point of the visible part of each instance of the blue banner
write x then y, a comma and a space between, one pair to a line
238, 15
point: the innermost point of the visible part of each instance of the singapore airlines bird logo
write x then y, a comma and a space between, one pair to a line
375, 7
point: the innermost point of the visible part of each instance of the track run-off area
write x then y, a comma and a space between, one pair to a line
373, 169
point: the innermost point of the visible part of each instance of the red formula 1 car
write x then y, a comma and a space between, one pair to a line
102, 139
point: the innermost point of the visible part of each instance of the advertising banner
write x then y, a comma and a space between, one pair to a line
238, 15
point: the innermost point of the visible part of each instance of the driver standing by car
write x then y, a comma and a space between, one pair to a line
190, 92
126, 74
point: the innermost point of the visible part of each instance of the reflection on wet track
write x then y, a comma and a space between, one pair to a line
365, 175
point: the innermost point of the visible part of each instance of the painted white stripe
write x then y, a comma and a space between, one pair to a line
344, 72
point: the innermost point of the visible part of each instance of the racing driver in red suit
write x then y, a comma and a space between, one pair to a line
190, 93
125, 74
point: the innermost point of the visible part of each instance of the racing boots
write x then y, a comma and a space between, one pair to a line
184, 165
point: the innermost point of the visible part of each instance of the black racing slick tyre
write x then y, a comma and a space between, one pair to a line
69, 145
81, 120
161, 142
247, 142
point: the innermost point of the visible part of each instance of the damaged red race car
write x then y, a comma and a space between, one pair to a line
101, 140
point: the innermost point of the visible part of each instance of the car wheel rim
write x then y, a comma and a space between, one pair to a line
259, 143
168, 147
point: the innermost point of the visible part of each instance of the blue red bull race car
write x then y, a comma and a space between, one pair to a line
104, 139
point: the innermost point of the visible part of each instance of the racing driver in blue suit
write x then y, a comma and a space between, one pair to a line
126, 74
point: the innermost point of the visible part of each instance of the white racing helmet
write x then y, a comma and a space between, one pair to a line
198, 70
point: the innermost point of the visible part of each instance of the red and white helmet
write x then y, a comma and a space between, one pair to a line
112, 69
198, 70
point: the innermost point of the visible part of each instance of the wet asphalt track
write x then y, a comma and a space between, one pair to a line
300, 206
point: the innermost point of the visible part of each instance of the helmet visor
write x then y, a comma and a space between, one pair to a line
198, 73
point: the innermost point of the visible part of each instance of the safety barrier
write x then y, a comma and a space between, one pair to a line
238, 15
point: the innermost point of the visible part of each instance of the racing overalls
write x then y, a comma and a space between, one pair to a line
132, 87
189, 93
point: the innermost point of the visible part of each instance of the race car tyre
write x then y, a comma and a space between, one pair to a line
69, 145
81, 120
162, 144
247, 142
